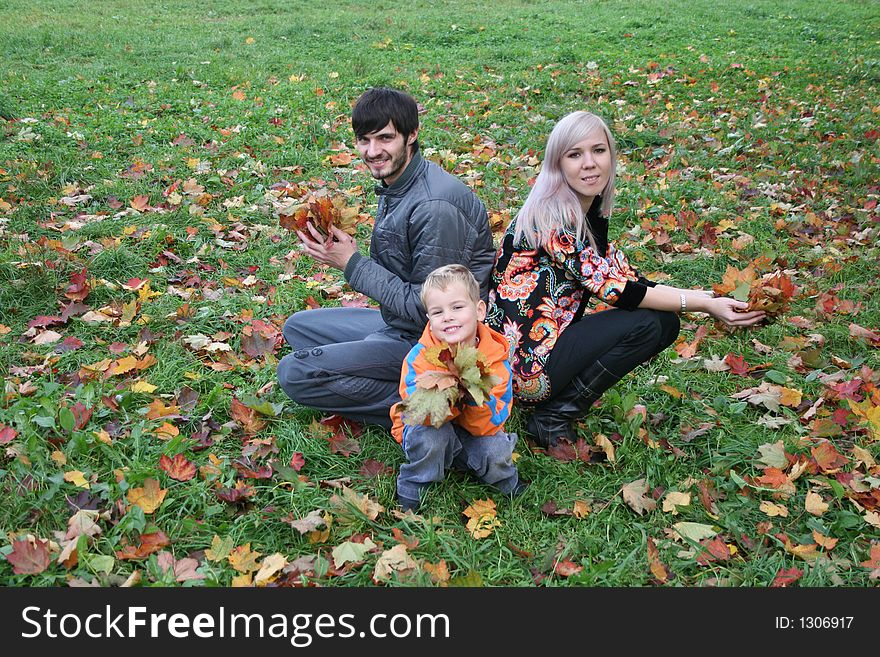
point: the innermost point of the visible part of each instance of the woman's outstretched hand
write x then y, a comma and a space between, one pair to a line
732, 312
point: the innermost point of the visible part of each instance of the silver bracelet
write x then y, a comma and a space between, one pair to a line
684, 302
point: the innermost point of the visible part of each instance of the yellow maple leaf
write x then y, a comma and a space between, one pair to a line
123, 365
269, 568
675, 499
868, 413
149, 497
167, 431
774, 510
606, 445
581, 509
220, 548
243, 559
483, 518
814, 504
242, 581
790, 397
143, 386
76, 478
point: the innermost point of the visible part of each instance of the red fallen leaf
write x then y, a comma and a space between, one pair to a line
551, 510
773, 478
7, 434
862, 333
339, 422
297, 461
140, 202
411, 542
786, 577
237, 495
247, 418
41, 321
29, 556
182, 140
260, 338
311, 303
562, 451
246, 468
179, 468
827, 457
150, 543
81, 415
341, 159
657, 567
708, 496
686, 350
79, 286
567, 568
738, 365
342, 443
373, 468
874, 561
715, 550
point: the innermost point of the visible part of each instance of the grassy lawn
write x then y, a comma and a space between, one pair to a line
147, 150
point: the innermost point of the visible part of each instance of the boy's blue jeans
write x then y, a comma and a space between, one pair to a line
431, 451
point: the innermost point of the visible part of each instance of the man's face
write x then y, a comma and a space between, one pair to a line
385, 152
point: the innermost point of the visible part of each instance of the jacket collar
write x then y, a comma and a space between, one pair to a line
400, 186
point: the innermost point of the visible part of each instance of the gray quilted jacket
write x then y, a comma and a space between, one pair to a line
426, 219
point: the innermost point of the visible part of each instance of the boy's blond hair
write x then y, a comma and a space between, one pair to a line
442, 277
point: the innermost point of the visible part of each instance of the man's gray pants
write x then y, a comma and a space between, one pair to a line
345, 361
431, 451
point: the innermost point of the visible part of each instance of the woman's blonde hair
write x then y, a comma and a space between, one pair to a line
552, 205
442, 277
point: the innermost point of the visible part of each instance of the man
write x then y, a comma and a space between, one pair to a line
347, 360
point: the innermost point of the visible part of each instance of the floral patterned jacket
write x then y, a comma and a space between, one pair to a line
536, 294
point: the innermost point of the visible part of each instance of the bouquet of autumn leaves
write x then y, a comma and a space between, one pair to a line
297, 207
462, 377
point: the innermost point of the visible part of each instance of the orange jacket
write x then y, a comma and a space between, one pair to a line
485, 420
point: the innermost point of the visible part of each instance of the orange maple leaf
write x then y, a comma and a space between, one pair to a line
178, 468
149, 497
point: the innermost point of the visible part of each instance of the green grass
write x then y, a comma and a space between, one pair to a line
757, 119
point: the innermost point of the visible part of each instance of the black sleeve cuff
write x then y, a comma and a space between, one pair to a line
645, 281
631, 296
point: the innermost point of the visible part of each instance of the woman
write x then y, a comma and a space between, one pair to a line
554, 256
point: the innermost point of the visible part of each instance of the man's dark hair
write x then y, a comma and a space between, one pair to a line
377, 106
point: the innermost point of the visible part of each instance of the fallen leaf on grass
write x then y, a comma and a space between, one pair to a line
351, 502
675, 499
393, 561
149, 543
179, 468
220, 548
655, 565
29, 556
483, 520
692, 531
243, 559
774, 510
149, 497
351, 552
786, 577
270, 567
567, 568
814, 504
635, 494
183, 569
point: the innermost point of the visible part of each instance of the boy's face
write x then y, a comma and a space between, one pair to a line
452, 316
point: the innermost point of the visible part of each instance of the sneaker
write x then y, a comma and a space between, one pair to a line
519, 489
408, 504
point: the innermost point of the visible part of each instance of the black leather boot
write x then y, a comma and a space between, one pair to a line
556, 418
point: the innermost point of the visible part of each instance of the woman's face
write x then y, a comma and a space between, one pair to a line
587, 166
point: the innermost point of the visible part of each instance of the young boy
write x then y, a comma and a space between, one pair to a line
472, 437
